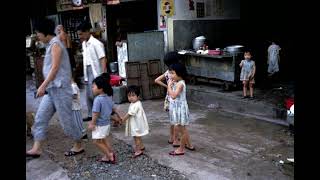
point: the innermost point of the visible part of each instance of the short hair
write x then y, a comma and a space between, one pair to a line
46, 27
247, 52
103, 83
171, 58
133, 89
180, 69
84, 27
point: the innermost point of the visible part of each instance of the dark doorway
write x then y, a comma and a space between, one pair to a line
262, 22
132, 16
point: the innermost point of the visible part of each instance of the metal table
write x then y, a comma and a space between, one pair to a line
223, 69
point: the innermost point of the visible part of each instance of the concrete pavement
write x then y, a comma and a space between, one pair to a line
228, 145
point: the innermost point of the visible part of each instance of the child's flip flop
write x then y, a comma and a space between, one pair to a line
73, 153
174, 153
136, 155
191, 149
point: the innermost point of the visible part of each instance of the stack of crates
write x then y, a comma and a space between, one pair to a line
143, 74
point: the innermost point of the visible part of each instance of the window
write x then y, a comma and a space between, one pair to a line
200, 9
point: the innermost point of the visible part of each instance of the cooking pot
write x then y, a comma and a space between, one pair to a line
198, 42
234, 48
113, 67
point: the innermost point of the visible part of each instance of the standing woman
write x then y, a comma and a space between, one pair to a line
56, 91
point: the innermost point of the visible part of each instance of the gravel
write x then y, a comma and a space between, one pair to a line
142, 167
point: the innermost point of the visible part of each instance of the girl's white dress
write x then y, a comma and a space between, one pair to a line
137, 124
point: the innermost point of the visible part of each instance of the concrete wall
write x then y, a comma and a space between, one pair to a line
214, 10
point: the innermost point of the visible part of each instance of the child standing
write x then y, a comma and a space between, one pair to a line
178, 108
101, 112
76, 106
136, 120
169, 58
248, 70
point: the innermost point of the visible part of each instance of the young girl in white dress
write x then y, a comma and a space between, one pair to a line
136, 120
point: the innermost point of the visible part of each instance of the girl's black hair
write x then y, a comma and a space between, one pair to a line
180, 69
171, 58
106, 76
103, 81
45, 26
133, 89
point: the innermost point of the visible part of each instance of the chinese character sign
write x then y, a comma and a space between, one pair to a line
167, 7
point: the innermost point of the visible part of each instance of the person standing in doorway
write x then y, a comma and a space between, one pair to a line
94, 61
273, 60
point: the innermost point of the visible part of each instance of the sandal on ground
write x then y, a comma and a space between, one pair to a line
73, 153
174, 153
137, 155
176, 145
191, 149
32, 155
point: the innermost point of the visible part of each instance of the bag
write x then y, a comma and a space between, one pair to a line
166, 104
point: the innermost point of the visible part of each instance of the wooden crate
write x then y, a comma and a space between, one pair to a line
132, 69
133, 81
154, 67
144, 71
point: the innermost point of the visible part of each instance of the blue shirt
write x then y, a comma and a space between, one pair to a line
103, 104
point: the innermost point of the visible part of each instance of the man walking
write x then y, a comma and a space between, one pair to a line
94, 61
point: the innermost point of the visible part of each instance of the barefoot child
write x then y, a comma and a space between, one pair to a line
178, 108
136, 120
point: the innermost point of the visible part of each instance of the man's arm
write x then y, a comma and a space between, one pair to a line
103, 62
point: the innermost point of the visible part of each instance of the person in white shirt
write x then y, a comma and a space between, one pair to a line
94, 61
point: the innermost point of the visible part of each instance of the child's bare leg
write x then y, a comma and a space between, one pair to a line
188, 140
137, 141
101, 145
176, 133
107, 142
251, 89
171, 133
182, 140
245, 83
